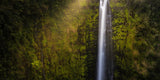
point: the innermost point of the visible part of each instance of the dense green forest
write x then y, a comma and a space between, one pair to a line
58, 39
137, 39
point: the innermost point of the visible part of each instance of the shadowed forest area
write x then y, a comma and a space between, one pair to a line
58, 39
48, 39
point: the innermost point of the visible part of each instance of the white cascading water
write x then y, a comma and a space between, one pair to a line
105, 59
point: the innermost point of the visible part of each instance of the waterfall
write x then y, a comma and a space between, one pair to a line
105, 58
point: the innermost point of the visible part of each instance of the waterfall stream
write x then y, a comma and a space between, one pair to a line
105, 57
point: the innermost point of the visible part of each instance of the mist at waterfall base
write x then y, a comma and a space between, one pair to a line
105, 57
